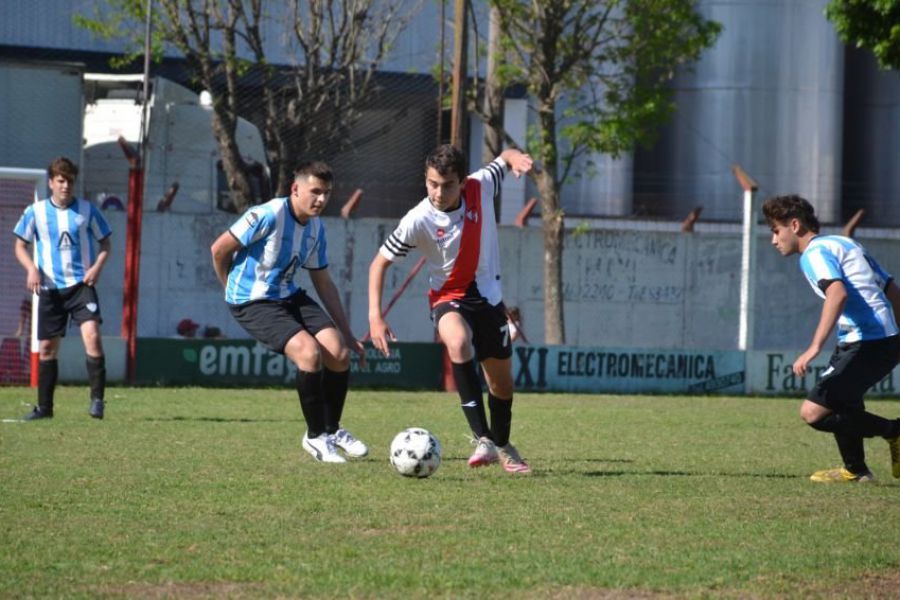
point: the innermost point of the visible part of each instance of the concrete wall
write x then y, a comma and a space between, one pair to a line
623, 288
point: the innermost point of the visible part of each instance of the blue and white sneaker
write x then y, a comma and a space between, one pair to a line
346, 441
322, 448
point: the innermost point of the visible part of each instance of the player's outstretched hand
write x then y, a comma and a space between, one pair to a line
381, 333
519, 162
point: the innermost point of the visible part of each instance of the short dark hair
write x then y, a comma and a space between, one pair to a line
784, 208
316, 168
62, 166
446, 159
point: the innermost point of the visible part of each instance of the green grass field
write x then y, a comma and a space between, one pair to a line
199, 493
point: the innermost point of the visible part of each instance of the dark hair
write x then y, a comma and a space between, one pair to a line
62, 166
446, 159
316, 168
784, 208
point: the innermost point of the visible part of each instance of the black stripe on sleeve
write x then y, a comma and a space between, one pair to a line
396, 247
497, 172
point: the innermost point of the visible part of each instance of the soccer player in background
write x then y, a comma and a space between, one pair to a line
454, 227
256, 260
72, 240
864, 302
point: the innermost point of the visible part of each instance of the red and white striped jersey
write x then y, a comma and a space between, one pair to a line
460, 246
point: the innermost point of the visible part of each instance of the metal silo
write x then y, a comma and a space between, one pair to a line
871, 140
767, 96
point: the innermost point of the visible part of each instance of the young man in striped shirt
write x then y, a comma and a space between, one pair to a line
864, 302
256, 261
67, 232
454, 227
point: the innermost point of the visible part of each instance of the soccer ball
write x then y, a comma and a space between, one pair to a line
415, 452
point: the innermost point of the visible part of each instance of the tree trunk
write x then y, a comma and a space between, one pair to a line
552, 218
232, 162
493, 99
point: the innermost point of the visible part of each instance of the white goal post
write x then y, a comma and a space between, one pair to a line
18, 188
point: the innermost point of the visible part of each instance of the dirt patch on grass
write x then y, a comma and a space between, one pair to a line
194, 591
869, 586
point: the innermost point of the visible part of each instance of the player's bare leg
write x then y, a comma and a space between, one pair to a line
498, 374
95, 362
305, 352
335, 378
457, 337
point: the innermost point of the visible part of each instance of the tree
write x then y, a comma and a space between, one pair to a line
872, 24
310, 105
597, 74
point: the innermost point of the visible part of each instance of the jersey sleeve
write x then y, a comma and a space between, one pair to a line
881, 276
318, 255
25, 227
253, 225
401, 240
98, 225
491, 176
821, 266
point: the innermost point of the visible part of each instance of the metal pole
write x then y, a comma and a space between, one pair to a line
748, 264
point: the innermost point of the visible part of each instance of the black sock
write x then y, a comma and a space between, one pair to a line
501, 418
853, 453
334, 386
96, 370
468, 386
309, 388
855, 424
48, 372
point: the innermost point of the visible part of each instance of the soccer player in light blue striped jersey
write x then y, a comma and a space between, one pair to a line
72, 240
256, 260
863, 300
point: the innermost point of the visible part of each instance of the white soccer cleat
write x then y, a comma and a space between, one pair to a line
345, 440
322, 448
485, 453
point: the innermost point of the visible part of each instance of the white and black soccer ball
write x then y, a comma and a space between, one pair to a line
415, 452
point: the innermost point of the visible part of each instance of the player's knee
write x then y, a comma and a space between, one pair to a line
340, 361
306, 356
501, 389
459, 349
811, 413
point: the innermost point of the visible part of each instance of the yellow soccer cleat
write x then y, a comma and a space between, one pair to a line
894, 445
841, 475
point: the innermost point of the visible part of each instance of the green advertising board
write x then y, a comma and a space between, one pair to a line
165, 361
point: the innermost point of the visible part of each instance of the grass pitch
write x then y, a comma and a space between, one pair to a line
199, 493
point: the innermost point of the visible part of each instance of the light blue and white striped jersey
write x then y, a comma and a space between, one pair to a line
868, 314
66, 239
275, 244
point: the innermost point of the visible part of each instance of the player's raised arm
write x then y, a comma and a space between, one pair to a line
517, 161
379, 330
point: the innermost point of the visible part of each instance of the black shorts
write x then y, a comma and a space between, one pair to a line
55, 306
275, 322
490, 329
852, 370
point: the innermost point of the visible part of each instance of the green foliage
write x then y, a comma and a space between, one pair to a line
203, 493
872, 24
607, 62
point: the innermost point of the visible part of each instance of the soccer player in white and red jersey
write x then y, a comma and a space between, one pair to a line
455, 228
256, 260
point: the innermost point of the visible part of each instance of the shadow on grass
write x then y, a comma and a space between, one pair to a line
688, 474
218, 419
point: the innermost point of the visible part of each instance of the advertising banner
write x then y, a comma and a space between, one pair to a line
620, 370
162, 361
770, 373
